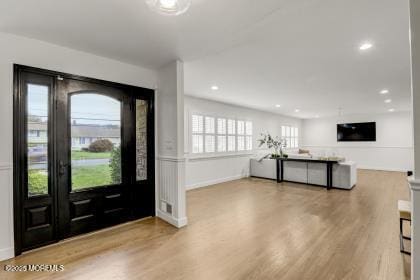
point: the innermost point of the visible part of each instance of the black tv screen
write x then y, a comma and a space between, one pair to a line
356, 131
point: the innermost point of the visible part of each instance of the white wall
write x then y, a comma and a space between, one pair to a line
393, 149
35, 53
203, 171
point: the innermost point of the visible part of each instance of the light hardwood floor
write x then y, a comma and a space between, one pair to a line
249, 229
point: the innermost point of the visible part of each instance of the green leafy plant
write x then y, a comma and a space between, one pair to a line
101, 146
37, 182
115, 165
275, 143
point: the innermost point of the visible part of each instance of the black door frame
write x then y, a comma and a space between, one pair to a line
20, 152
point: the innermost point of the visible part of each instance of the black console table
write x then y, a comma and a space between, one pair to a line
329, 163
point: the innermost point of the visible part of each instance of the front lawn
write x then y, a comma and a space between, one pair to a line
78, 155
91, 176
82, 177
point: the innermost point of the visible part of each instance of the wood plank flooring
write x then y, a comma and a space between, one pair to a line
248, 229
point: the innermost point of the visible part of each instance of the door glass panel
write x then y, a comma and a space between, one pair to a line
141, 140
95, 141
37, 139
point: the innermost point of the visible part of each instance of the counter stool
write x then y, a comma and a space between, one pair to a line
404, 208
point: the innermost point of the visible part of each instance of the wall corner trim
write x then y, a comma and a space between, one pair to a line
177, 222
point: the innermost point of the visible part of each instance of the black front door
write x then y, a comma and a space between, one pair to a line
84, 153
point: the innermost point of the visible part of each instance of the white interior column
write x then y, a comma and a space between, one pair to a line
415, 182
170, 163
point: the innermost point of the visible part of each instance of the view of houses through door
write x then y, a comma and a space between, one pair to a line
83, 155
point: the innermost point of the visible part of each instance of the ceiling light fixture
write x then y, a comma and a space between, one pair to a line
384, 91
297, 110
214, 88
169, 7
388, 101
391, 110
278, 106
365, 46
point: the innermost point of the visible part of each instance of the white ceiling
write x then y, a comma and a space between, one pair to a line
298, 53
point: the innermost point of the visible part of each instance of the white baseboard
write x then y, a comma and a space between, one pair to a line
179, 223
7, 253
382, 168
215, 181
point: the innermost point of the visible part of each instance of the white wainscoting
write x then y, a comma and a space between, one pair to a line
6, 207
171, 190
206, 171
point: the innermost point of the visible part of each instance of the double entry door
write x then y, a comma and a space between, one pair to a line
83, 155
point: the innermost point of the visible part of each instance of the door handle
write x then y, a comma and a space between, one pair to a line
62, 167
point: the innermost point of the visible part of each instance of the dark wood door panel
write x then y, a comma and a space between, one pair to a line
67, 208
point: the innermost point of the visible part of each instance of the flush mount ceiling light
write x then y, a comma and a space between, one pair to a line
297, 110
278, 106
388, 101
169, 7
391, 110
365, 46
214, 88
384, 91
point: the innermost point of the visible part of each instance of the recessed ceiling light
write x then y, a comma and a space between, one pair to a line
169, 7
384, 91
391, 110
278, 106
388, 101
297, 110
214, 88
365, 46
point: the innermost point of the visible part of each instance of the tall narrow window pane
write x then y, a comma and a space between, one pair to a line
221, 126
197, 144
241, 128
231, 127
197, 124
95, 163
209, 125
209, 144
141, 140
241, 143
231, 144
248, 128
37, 139
221, 143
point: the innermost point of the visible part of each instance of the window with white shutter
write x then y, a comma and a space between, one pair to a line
221, 135
291, 135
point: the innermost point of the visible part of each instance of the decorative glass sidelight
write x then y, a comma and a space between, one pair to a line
141, 140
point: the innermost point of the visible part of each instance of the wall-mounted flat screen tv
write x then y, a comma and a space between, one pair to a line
356, 131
